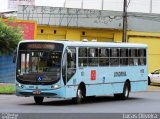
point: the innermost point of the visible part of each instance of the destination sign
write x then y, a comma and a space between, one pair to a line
41, 46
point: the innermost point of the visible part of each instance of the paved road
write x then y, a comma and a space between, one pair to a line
139, 102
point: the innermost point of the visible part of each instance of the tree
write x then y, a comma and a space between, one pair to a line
9, 37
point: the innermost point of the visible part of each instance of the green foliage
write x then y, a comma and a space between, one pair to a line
7, 89
9, 38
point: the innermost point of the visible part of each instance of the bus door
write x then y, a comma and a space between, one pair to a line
69, 69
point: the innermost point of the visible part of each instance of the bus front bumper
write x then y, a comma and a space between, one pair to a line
41, 92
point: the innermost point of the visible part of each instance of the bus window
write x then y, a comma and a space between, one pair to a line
123, 52
71, 62
114, 57
93, 52
123, 57
71, 58
23, 63
103, 57
141, 53
83, 60
34, 62
64, 67
114, 52
93, 57
82, 52
142, 61
103, 52
133, 57
142, 57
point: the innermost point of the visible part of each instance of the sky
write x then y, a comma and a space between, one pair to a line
4, 6
143, 6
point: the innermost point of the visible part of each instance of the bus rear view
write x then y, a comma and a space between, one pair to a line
38, 69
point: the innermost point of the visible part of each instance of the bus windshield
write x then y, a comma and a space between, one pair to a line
39, 62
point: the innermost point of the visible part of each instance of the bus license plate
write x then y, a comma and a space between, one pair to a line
36, 92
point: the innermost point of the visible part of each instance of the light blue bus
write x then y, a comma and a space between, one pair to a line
75, 70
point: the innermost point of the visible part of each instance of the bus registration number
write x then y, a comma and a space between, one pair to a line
36, 92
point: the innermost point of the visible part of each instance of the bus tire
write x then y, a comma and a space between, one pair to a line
80, 94
126, 91
125, 94
38, 100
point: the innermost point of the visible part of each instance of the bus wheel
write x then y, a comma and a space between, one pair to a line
38, 100
126, 91
80, 94
125, 94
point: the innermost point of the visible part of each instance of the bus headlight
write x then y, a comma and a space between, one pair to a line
56, 86
19, 85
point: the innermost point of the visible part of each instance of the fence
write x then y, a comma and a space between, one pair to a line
7, 69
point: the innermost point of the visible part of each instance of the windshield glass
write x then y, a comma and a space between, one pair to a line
39, 62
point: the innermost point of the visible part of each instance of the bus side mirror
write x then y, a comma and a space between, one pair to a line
14, 59
14, 56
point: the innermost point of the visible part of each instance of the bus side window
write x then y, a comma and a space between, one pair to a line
71, 58
133, 57
64, 67
142, 56
71, 62
93, 57
103, 57
114, 57
82, 55
123, 56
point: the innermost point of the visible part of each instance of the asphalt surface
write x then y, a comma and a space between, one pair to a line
139, 102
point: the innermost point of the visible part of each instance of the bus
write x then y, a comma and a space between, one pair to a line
76, 70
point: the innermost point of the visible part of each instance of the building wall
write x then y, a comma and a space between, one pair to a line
153, 41
63, 33
105, 35
28, 27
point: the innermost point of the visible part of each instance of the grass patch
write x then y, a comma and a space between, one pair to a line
7, 89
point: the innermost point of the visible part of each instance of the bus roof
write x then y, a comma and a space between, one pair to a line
89, 43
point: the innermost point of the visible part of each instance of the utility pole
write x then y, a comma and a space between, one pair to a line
124, 21
150, 6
